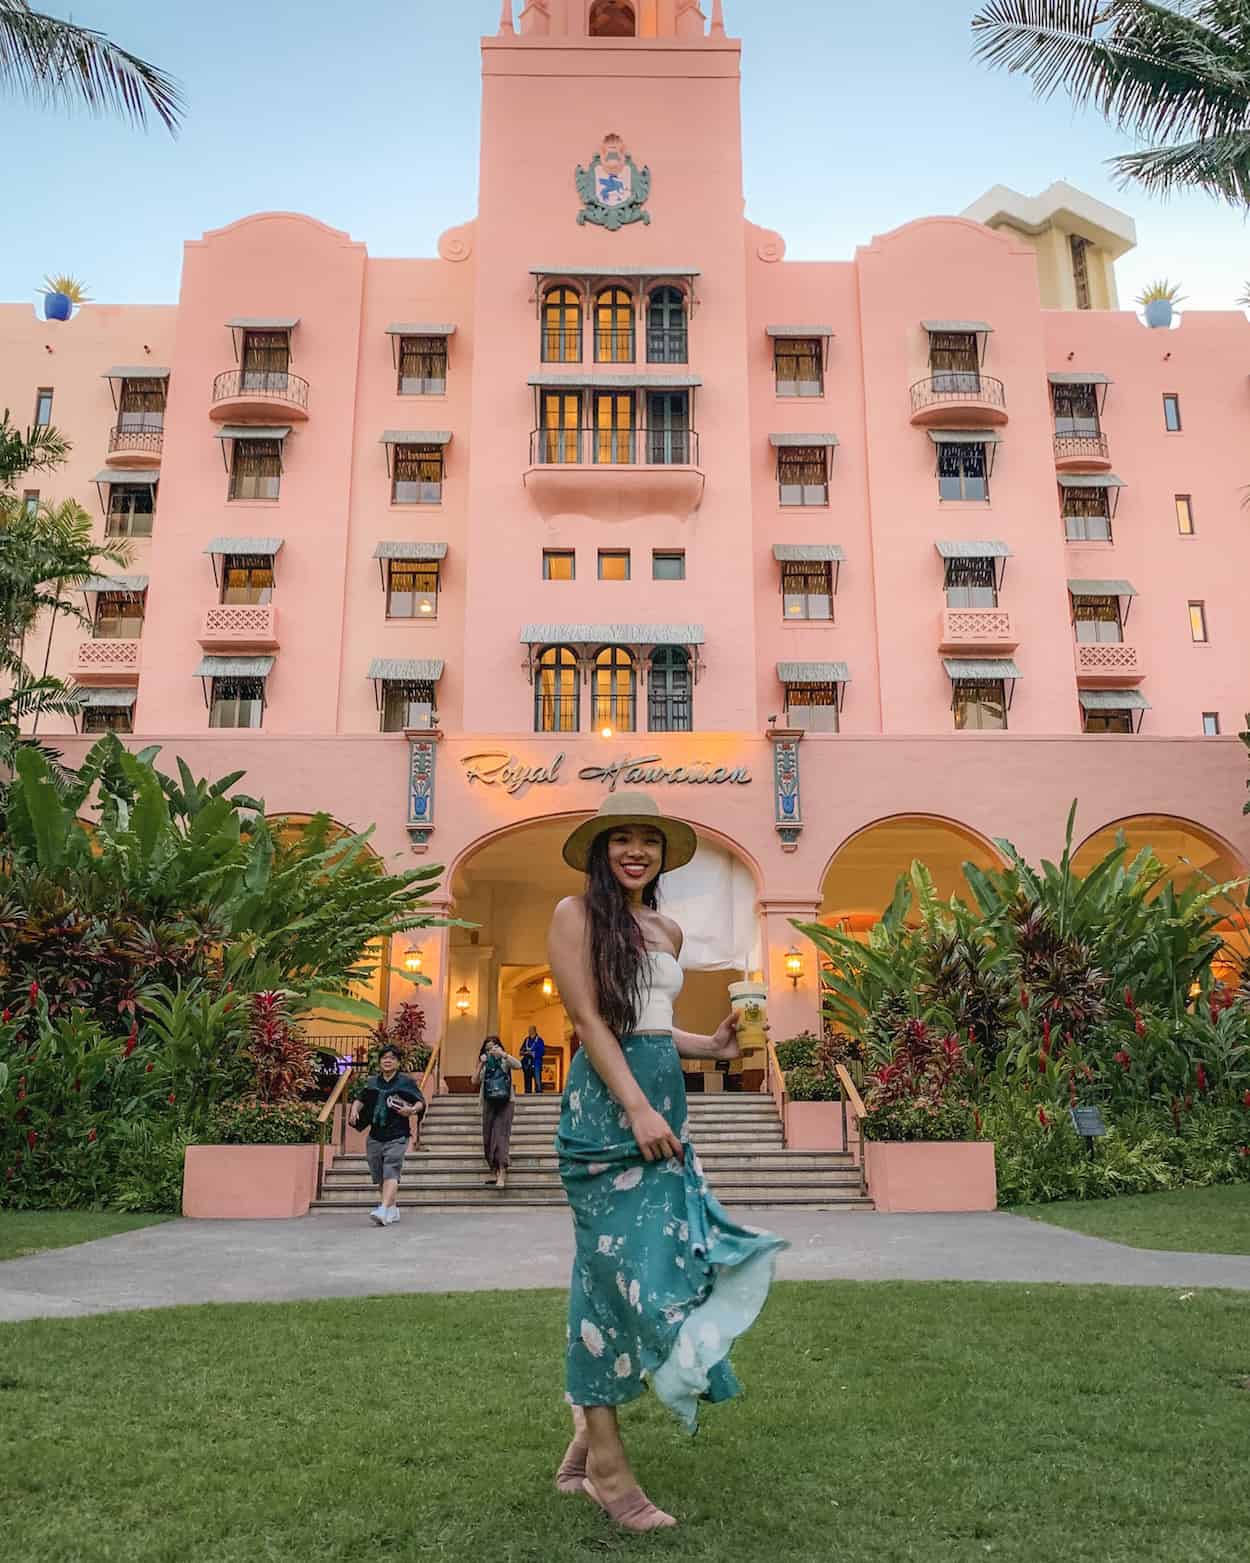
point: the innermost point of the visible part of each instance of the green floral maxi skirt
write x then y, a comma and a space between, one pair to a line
664, 1280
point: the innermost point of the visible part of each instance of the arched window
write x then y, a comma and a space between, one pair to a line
613, 19
668, 687
666, 327
615, 688
562, 326
555, 691
614, 327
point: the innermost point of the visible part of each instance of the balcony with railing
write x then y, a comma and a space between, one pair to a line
107, 661
960, 396
258, 393
977, 630
136, 444
231, 626
1082, 452
614, 474
1108, 662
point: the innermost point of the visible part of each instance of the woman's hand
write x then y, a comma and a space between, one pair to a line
656, 1140
725, 1042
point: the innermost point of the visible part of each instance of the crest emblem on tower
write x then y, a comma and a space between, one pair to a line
613, 189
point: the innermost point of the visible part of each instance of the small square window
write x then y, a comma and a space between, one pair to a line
237, 702
798, 363
43, 406
247, 579
417, 475
806, 590
1172, 413
1184, 515
108, 719
803, 475
559, 564
1210, 724
980, 704
1198, 623
412, 589
614, 564
256, 471
422, 366
668, 564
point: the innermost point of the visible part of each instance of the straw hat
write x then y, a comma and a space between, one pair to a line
631, 808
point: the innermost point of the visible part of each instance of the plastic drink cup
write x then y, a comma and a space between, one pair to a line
749, 1001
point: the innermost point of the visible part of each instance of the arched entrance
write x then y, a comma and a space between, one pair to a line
859, 882
499, 979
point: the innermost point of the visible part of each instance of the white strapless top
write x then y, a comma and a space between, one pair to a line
665, 980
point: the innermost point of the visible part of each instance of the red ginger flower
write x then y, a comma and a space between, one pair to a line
1139, 1026
6, 1014
1202, 1078
1124, 1059
170, 1098
34, 992
91, 1134
132, 1042
1024, 998
32, 1139
1128, 999
1043, 1117
150, 1068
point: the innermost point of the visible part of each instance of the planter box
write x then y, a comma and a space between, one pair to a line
248, 1182
814, 1126
931, 1175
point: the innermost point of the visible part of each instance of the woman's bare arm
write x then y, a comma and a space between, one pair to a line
569, 954
477, 1073
721, 1044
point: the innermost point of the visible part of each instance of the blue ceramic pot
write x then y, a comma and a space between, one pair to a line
1159, 313
57, 306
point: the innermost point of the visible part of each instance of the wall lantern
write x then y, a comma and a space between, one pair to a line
549, 987
462, 999
794, 965
413, 961
605, 732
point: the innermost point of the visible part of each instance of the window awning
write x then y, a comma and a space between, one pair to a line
967, 327
253, 431
107, 699
244, 545
1102, 588
419, 553
135, 372
802, 332
115, 583
965, 436
1112, 700
415, 437
234, 667
612, 634
795, 441
1078, 377
419, 328
803, 553
413, 670
988, 548
980, 667
813, 673
147, 476
263, 323
1089, 480
634, 380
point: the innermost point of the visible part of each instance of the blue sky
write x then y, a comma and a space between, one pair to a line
856, 119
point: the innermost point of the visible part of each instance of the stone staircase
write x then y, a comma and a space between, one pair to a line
738, 1138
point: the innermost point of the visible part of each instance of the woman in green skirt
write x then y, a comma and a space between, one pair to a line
664, 1280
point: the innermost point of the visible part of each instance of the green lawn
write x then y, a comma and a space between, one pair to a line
1194, 1221
943, 1422
31, 1231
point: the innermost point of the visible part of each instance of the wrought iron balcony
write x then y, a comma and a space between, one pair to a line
1110, 662
259, 393
136, 445
614, 447
232, 625
977, 629
1082, 453
974, 398
614, 474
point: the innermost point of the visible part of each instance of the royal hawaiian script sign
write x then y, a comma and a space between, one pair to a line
498, 768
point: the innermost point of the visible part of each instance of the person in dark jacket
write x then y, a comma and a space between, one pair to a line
388, 1104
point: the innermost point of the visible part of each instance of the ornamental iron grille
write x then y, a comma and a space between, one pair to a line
265, 361
615, 688
669, 691
807, 589
1087, 515
237, 702
407, 703
556, 704
411, 590
417, 475
247, 579
1097, 619
962, 471
111, 656
422, 365
980, 704
118, 616
667, 332
141, 405
614, 327
971, 583
108, 719
256, 469
954, 363
798, 363
132, 507
812, 707
562, 326
803, 474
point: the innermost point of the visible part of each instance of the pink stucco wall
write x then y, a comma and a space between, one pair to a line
550, 94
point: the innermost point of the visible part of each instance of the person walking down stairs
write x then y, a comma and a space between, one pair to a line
493, 1076
389, 1102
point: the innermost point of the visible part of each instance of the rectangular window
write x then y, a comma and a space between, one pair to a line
417, 475
813, 707
559, 564
411, 589
1198, 623
247, 578
422, 365
1097, 619
1108, 721
108, 719
1172, 413
43, 406
980, 704
1086, 515
30, 501
1185, 515
668, 691
954, 362
256, 469
799, 366
141, 406
1080, 269
406, 704
668, 565
1076, 411
237, 702
669, 441
118, 616
806, 589
614, 427
614, 564
561, 433
131, 511
803, 475
962, 472
265, 361
971, 583
1210, 724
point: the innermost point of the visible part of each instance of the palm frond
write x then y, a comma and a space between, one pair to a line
60, 64
38, 450
1220, 165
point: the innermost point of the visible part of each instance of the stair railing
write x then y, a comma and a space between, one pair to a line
852, 1099
775, 1082
326, 1117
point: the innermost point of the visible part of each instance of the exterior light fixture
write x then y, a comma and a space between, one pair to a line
549, 987
605, 732
794, 965
413, 961
462, 999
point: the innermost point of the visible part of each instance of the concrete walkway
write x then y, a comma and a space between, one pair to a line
333, 1255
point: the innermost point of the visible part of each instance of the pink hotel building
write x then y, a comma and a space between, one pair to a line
852, 561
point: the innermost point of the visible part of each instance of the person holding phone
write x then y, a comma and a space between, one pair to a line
388, 1104
493, 1076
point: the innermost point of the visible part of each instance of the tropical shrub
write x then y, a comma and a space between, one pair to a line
798, 1052
923, 1093
280, 1058
809, 1083
265, 1123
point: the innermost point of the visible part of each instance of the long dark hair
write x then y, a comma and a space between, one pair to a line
481, 1052
618, 956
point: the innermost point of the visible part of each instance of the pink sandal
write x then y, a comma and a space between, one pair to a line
633, 1511
572, 1472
